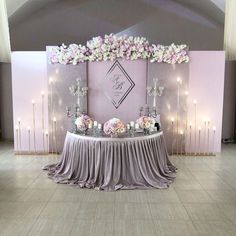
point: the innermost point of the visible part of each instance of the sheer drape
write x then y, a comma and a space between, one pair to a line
5, 48
230, 30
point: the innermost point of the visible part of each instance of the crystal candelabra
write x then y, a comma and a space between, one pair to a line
154, 91
79, 91
73, 115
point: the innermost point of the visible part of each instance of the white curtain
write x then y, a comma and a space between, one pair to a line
5, 47
230, 30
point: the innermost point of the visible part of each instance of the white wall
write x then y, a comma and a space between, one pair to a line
29, 78
206, 85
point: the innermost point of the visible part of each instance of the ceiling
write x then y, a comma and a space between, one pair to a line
14, 5
146, 17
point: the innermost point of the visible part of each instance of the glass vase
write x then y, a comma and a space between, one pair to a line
146, 131
114, 135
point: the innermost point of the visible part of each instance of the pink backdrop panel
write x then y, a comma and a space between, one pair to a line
206, 85
29, 78
100, 106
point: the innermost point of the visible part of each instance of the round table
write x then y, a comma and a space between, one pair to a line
106, 163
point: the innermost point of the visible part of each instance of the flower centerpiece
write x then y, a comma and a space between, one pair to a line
146, 123
114, 127
82, 122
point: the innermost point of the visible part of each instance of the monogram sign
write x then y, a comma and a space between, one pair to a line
118, 84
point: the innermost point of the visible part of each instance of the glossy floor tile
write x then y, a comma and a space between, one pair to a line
202, 201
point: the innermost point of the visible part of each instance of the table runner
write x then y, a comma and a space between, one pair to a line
114, 163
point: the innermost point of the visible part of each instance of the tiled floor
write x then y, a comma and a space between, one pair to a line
202, 201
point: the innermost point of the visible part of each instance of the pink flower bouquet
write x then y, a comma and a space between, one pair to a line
114, 126
82, 122
145, 122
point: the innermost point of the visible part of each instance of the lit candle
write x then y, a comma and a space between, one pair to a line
128, 126
179, 80
42, 95
214, 132
186, 121
181, 141
90, 125
50, 80
199, 139
195, 123
19, 128
205, 136
55, 133
95, 123
172, 134
33, 105
136, 126
47, 140
17, 137
190, 137
208, 137
132, 124
99, 126
28, 128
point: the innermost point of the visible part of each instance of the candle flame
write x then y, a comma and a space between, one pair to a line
50, 80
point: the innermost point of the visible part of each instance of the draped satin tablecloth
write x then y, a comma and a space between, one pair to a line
114, 163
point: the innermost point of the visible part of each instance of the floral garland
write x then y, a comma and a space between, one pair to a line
112, 47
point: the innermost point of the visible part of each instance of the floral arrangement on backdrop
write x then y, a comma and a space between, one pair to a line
145, 122
114, 126
111, 47
82, 122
